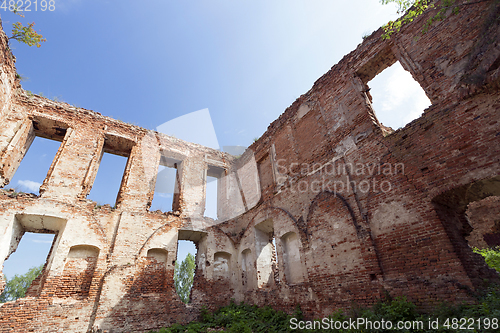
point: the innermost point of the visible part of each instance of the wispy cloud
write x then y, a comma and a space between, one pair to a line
43, 238
29, 185
42, 241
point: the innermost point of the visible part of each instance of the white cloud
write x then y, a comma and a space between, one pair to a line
29, 185
397, 97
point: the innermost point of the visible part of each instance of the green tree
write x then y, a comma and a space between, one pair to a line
183, 277
17, 286
414, 8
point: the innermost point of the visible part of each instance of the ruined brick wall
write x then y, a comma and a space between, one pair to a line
327, 209
484, 220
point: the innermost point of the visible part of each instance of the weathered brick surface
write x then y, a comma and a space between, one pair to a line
484, 219
327, 209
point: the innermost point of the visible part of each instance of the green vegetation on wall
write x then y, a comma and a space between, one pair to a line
491, 256
246, 318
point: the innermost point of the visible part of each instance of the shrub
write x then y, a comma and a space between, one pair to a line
491, 256
250, 318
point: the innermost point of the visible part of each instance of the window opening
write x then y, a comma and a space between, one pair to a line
166, 194
212, 191
185, 266
31, 252
396, 97
108, 180
34, 166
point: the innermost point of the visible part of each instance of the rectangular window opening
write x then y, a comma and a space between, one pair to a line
108, 180
167, 187
212, 191
185, 267
111, 173
28, 260
396, 97
34, 166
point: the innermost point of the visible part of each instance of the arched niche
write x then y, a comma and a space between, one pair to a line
78, 273
222, 265
160, 255
265, 253
83, 251
247, 270
294, 271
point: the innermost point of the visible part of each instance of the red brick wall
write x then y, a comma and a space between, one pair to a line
407, 238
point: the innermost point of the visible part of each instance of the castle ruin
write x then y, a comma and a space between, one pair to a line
327, 209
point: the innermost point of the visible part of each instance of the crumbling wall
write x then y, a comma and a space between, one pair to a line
327, 209
484, 219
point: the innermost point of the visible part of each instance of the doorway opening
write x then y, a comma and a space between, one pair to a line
185, 269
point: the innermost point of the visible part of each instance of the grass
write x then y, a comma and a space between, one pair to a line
250, 318
446, 318
16, 191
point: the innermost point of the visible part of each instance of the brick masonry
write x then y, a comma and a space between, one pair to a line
355, 210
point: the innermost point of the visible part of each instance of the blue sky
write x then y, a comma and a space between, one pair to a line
149, 62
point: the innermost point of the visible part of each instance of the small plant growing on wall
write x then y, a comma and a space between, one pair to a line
25, 34
491, 256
